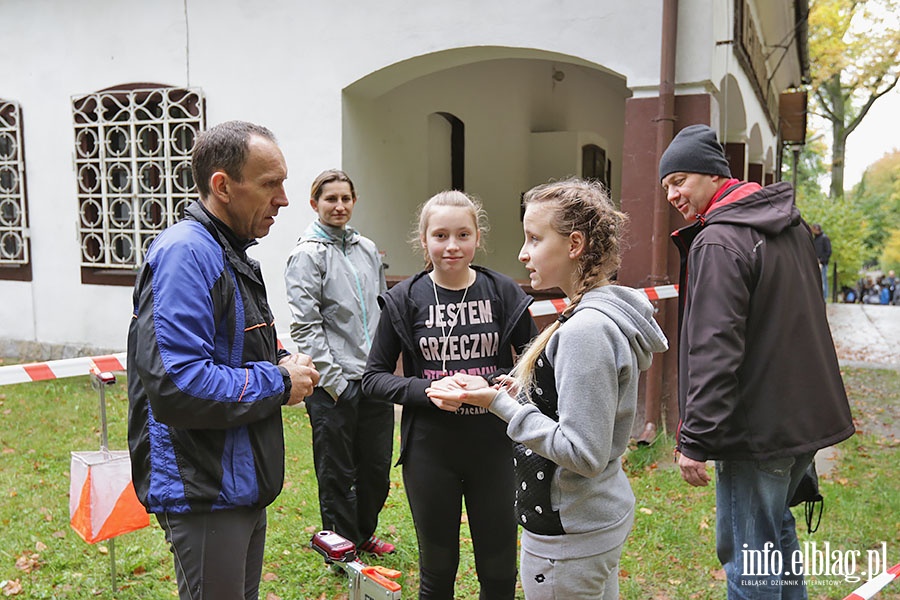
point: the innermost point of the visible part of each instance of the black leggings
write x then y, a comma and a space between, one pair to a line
352, 442
471, 459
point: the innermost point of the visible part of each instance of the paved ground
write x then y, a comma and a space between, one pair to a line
865, 334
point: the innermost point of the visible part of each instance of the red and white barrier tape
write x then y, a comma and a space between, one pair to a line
72, 367
875, 585
57, 369
543, 308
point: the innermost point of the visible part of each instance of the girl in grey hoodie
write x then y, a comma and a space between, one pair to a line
577, 384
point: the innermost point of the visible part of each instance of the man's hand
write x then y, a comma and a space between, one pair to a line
304, 377
693, 471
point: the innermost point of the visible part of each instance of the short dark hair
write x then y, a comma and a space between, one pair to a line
223, 148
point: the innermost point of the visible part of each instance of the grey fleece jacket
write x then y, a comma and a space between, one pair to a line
333, 278
597, 356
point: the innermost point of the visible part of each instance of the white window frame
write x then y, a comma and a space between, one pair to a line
14, 232
132, 168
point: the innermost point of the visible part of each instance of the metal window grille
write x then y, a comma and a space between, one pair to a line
13, 213
133, 170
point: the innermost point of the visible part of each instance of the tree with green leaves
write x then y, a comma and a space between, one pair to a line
878, 197
854, 48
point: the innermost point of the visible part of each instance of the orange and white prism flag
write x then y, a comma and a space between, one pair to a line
102, 502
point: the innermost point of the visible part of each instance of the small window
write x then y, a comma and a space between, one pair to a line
133, 172
15, 261
594, 164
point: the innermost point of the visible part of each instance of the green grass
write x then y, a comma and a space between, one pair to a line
669, 555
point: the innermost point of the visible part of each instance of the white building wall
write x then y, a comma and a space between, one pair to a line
287, 65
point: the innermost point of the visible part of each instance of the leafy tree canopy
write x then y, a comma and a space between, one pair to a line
878, 196
854, 48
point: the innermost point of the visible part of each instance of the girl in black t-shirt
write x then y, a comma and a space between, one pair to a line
453, 317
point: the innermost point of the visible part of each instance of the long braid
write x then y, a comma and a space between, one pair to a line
584, 206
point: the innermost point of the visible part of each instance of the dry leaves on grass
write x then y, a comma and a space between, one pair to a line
28, 562
12, 588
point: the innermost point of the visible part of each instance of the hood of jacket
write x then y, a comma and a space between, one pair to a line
633, 313
320, 232
769, 210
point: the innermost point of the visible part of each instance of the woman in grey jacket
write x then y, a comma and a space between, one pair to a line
333, 279
579, 383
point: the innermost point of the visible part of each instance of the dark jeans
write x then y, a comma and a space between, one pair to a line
218, 555
471, 460
352, 444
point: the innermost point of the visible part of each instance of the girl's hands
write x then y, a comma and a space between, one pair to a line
455, 390
447, 402
507, 383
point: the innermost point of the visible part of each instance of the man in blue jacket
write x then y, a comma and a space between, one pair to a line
206, 379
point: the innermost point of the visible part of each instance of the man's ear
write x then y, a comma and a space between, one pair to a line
576, 244
218, 185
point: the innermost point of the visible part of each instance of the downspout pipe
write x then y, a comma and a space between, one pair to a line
659, 268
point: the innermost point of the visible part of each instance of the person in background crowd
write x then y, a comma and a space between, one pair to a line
822, 244
895, 288
333, 278
759, 387
888, 284
453, 317
206, 380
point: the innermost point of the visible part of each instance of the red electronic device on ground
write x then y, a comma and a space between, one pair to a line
365, 582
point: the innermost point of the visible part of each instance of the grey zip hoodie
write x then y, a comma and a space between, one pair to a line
597, 356
333, 279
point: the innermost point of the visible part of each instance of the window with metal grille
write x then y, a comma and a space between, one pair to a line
14, 250
133, 170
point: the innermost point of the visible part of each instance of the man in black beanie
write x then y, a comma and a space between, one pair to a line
759, 388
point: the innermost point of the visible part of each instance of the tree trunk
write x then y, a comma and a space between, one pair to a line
838, 147
838, 119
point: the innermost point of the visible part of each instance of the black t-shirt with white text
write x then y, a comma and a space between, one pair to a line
457, 333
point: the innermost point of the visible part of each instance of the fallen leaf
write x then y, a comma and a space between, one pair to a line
28, 562
40, 546
12, 588
272, 596
103, 550
646, 510
269, 577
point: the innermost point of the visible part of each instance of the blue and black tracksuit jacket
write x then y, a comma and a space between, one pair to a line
204, 391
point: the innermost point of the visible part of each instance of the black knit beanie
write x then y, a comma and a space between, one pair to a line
694, 150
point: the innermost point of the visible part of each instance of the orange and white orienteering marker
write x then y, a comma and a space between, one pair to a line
875, 585
102, 502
